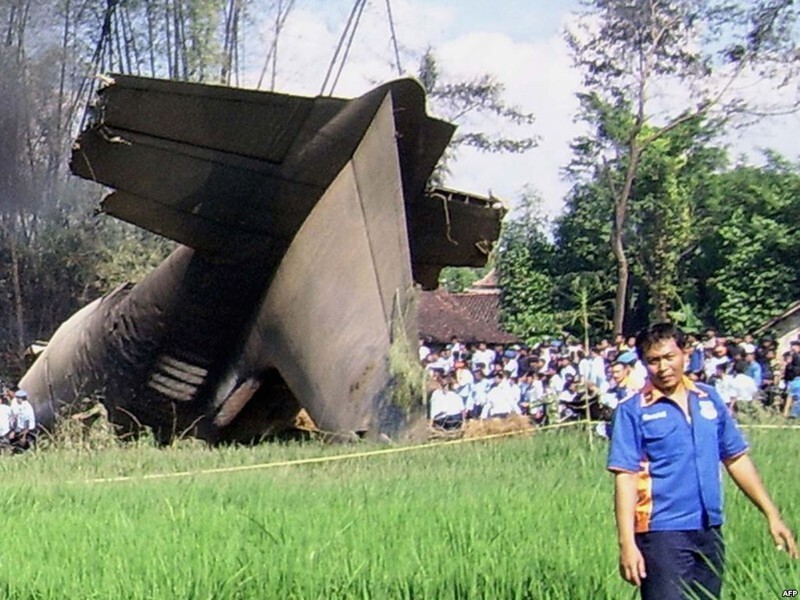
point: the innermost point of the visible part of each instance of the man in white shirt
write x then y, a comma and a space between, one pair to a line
741, 388
480, 390
485, 356
464, 380
23, 419
501, 400
424, 351
510, 364
596, 372
446, 407
5, 421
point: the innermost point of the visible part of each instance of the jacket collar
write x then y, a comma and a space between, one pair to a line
651, 394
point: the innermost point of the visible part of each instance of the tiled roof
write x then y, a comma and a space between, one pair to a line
472, 317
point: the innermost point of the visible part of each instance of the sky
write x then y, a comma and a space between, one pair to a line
519, 42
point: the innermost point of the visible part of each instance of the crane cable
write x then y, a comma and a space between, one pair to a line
103, 43
347, 37
280, 21
394, 38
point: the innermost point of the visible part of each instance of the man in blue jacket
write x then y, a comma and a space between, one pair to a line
667, 444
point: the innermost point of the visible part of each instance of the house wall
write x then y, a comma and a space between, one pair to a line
786, 330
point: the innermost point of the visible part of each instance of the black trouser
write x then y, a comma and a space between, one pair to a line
448, 422
680, 562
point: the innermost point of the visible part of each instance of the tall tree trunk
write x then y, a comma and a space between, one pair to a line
10, 231
617, 237
622, 279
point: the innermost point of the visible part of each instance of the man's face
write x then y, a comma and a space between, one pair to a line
618, 372
664, 362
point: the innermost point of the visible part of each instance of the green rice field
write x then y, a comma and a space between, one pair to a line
522, 517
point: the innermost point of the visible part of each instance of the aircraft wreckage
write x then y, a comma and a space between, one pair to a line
305, 224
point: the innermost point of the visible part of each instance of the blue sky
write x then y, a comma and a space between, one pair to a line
521, 20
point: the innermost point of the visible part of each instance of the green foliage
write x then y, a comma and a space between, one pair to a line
127, 254
661, 229
458, 279
686, 317
584, 305
524, 262
709, 244
458, 101
755, 282
408, 391
373, 526
583, 231
747, 265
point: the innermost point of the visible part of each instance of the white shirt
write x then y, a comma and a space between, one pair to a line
511, 367
484, 356
480, 389
439, 363
596, 372
710, 364
23, 415
501, 400
557, 383
742, 388
464, 377
723, 387
568, 370
424, 352
5, 419
536, 391
445, 403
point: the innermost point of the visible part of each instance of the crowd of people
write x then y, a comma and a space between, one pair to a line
17, 420
479, 381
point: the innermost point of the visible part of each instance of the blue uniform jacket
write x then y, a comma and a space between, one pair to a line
676, 458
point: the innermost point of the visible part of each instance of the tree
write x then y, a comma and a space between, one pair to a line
524, 261
747, 266
628, 50
458, 279
663, 229
454, 101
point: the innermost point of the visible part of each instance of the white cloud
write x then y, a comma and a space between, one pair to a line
538, 78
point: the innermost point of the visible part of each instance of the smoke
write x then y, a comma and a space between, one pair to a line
13, 152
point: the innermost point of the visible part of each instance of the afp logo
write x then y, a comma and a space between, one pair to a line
789, 593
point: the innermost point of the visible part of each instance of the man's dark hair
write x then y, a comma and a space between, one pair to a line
657, 333
740, 366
